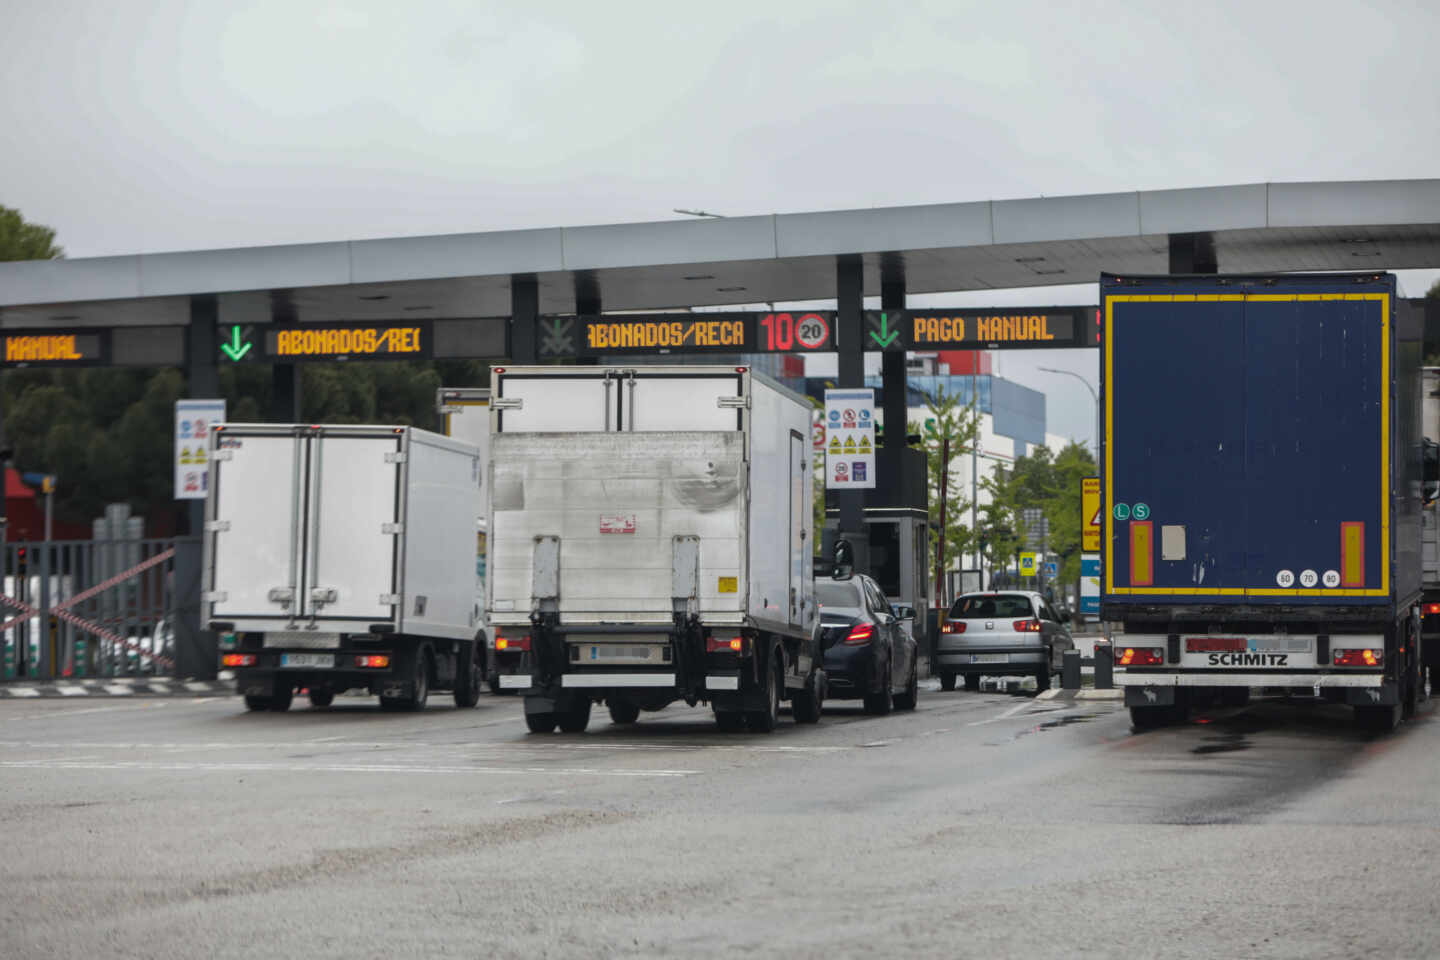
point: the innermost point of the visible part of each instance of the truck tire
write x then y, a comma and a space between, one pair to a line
284, 695
1042, 676
1234, 696
947, 681
764, 721
805, 703
729, 721
254, 703
879, 704
575, 719
321, 698
540, 722
467, 679
972, 682
622, 711
1378, 719
911, 696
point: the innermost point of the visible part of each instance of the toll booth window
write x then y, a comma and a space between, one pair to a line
885, 557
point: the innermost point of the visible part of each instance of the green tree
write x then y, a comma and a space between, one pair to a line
1052, 483
25, 241
959, 424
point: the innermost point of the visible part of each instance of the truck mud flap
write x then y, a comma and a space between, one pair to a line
1149, 696
1386, 695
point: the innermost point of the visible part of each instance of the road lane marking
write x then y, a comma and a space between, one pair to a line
390, 768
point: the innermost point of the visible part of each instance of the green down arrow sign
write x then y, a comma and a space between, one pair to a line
238, 346
886, 336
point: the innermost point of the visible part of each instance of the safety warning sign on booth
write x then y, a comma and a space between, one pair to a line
850, 427
194, 419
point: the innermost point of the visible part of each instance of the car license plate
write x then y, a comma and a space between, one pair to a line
989, 658
313, 660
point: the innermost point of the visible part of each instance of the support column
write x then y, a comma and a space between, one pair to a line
849, 321
891, 462
196, 650
286, 393
1192, 253
587, 304
524, 318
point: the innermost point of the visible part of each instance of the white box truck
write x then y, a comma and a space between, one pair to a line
342, 557
650, 539
465, 415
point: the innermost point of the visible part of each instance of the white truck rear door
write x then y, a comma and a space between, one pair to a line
353, 541
256, 509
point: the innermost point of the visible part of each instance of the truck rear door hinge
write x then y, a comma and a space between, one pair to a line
733, 403
392, 528
285, 595
508, 403
218, 526
389, 599
324, 595
214, 596
395, 456
224, 453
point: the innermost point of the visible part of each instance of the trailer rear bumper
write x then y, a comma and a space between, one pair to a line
1124, 679
595, 681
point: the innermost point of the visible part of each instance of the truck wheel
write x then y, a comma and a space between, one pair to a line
947, 681
321, 698
284, 694
729, 721
577, 718
467, 679
972, 682
764, 721
1148, 718
1234, 696
879, 704
1042, 677
540, 722
622, 711
254, 703
911, 696
805, 703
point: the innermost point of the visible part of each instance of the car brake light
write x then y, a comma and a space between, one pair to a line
1027, 626
859, 636
373, 660
513, 643
1359, 658
238, 660
956, 627
724, 644
1143, 657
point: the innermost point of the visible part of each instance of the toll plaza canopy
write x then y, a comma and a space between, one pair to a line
435, 281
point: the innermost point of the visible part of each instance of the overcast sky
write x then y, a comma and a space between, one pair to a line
171, 125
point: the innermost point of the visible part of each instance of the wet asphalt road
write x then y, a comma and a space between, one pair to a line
983, 825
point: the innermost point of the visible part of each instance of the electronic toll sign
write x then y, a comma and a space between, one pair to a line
54, 348
686, 333
328, 341
815, 331
1011, 328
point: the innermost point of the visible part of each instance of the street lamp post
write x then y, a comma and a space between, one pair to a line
1093, 396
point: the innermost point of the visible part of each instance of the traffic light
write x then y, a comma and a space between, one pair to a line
21, 561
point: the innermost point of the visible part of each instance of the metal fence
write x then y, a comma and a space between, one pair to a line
88, 608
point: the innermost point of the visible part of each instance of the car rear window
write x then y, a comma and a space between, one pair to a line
968, 608
843, 593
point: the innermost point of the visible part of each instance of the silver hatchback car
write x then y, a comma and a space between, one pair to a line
1003, 633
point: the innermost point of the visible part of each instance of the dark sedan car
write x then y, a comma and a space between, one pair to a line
868, 653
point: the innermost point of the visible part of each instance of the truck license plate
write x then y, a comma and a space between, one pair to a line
989, 658
321, 660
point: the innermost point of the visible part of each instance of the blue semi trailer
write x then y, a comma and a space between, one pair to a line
1261, 490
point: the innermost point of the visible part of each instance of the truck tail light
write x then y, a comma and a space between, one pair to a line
1027, 626
521, 644
1142, 657
724, 644
1431, 609
238, 660
860, 636
377, 660
957, 626
1359, 658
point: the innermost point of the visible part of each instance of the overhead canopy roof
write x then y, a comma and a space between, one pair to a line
1256, 228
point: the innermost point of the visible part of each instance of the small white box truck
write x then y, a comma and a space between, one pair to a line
341, 557
650, 540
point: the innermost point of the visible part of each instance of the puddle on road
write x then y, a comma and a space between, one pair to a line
1064, 721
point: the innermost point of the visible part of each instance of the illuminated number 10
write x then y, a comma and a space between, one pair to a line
779, 331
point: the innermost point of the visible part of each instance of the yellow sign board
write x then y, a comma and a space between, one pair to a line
1027, 565
1090, 514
